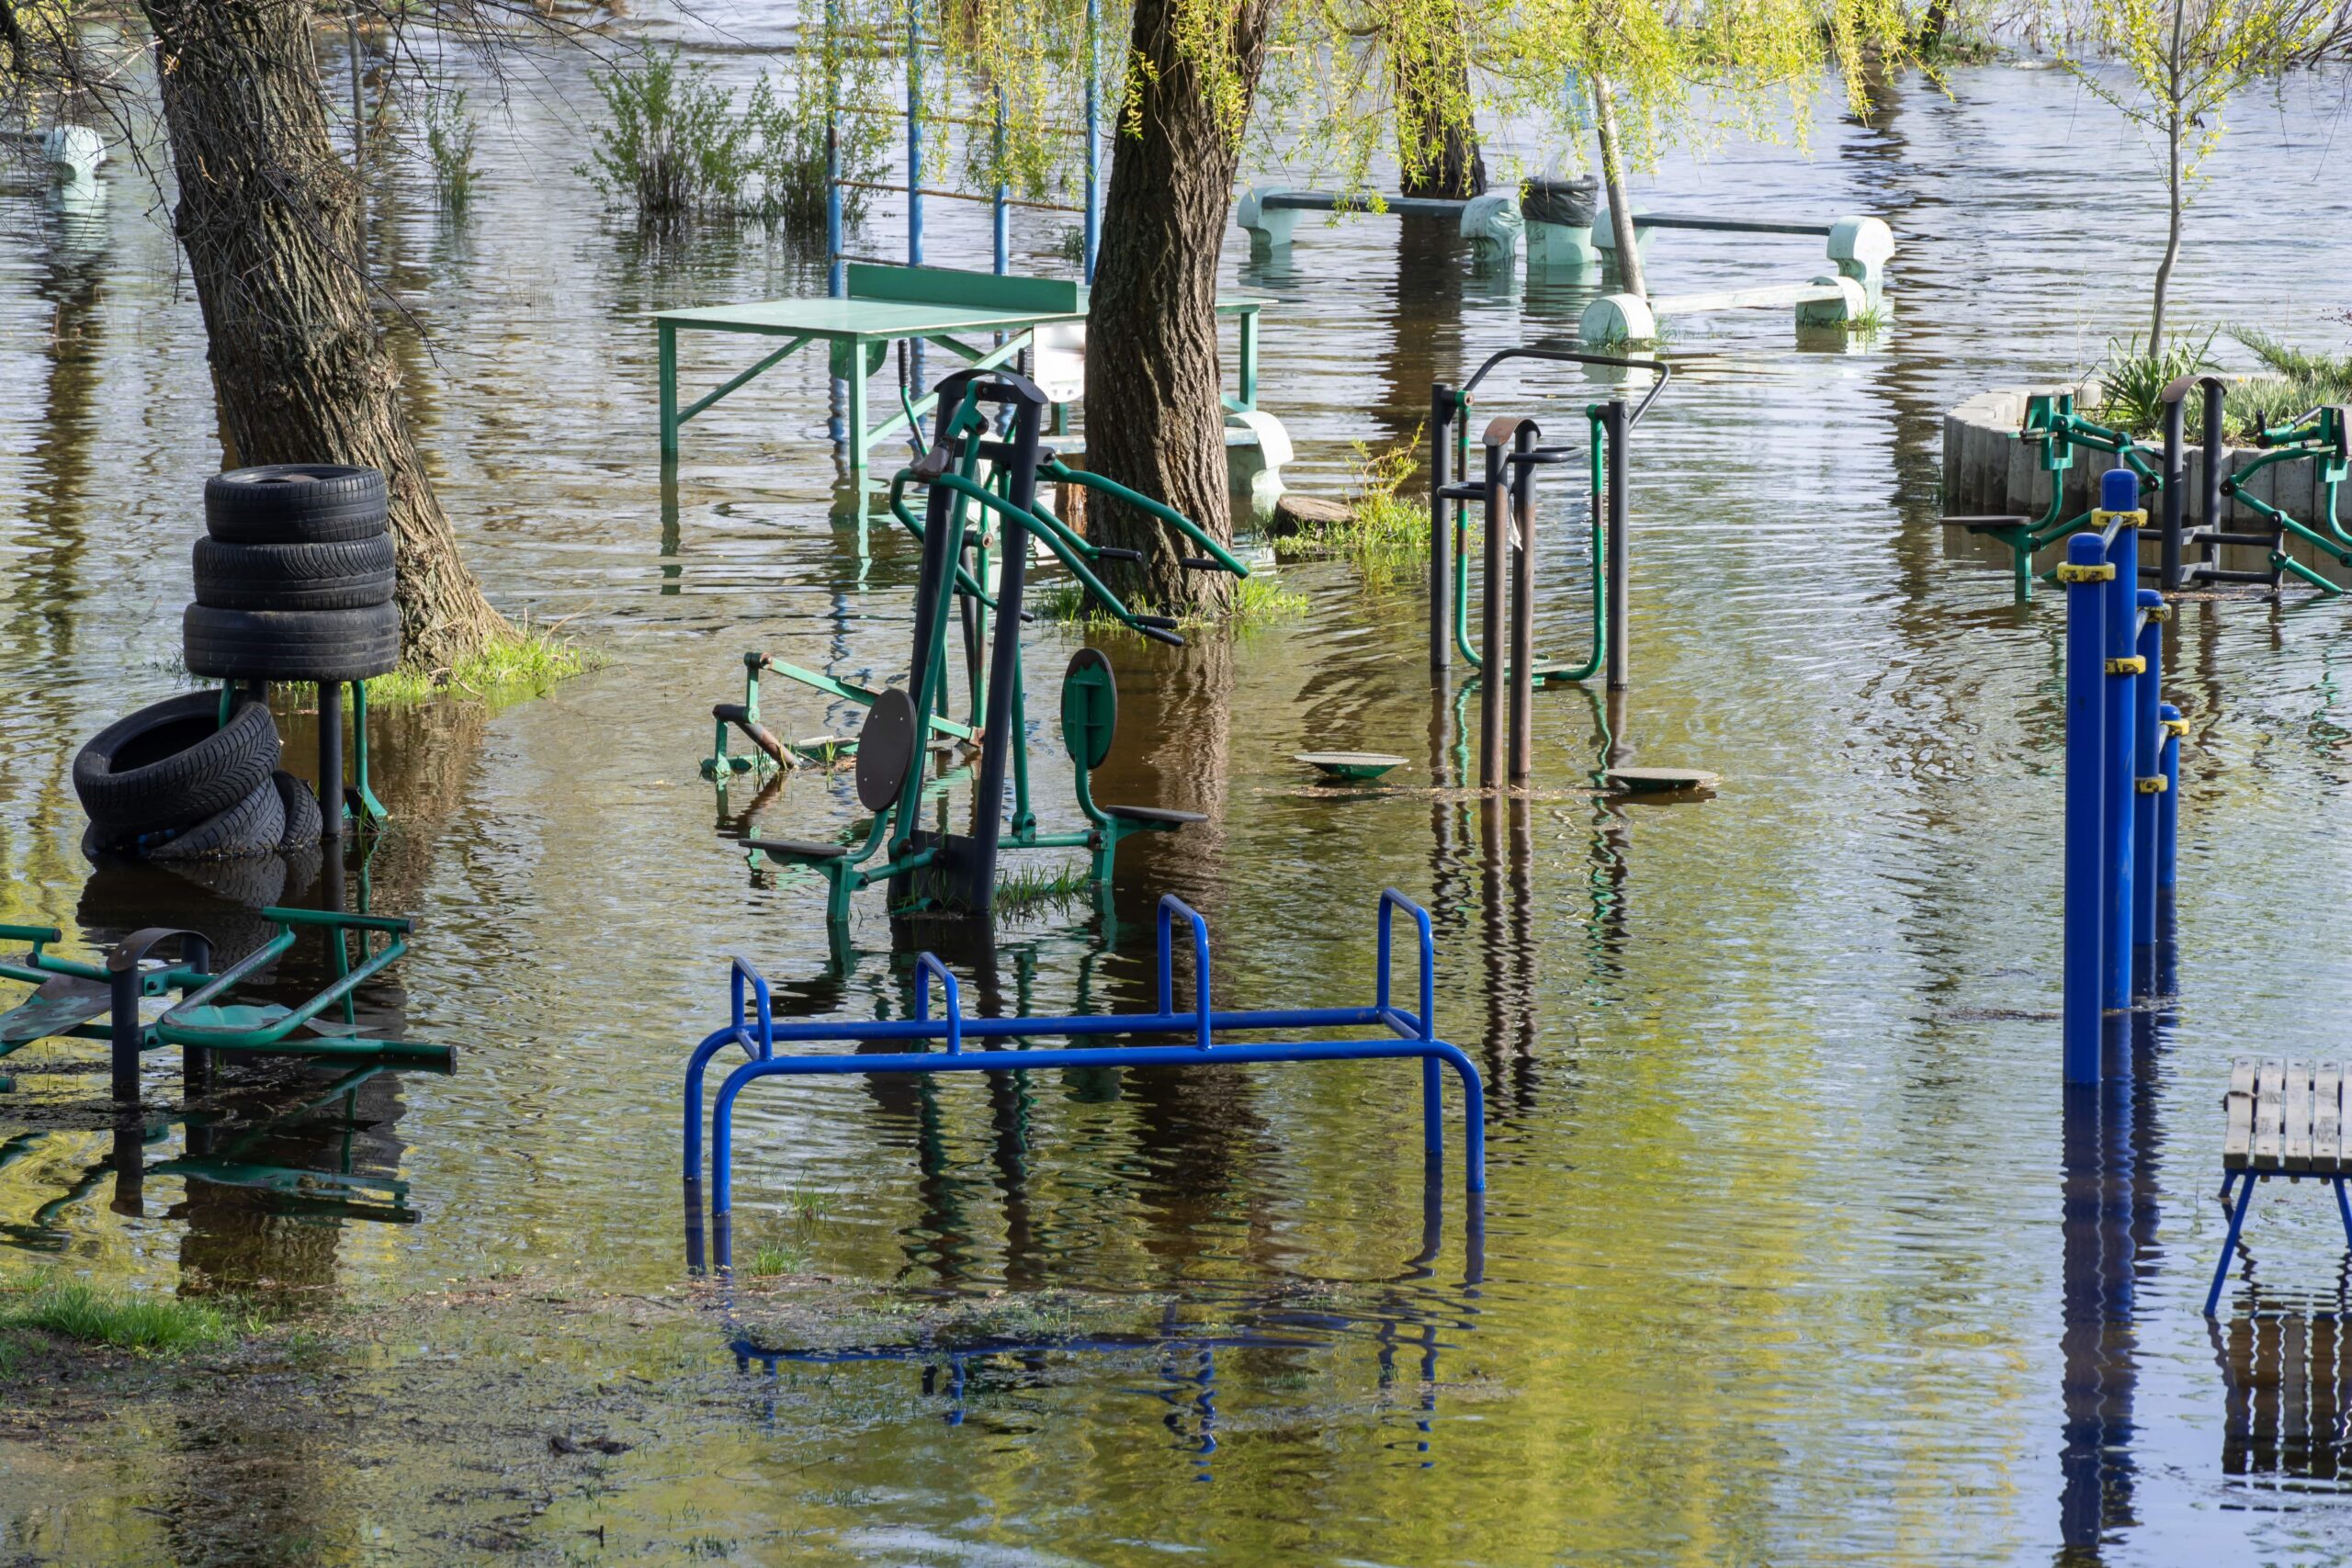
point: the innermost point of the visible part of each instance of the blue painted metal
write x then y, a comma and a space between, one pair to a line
2086, 751
2169, 812
2122, 643
1093, 132
998, 209
2147, 753
914, 136
752, 1028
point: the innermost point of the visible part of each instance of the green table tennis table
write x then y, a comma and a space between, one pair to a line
890, 304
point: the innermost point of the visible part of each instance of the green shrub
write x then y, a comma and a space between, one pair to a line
450, 146
2132, 383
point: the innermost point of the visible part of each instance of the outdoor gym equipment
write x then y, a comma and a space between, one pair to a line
2122, 775
2285, 1119
72, 995
960, 871
2056, 430
751, 1027
1511, 459
2318, 438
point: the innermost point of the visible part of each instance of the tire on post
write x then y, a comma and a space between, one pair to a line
339, 575
295, 503
292, 645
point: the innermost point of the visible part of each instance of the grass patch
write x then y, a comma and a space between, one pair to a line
2293, 382
1257, 599
121, 1320
527, 664
788, 1248
1384, 532
1042, 888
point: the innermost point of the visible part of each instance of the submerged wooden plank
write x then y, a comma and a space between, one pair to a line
2270, 1116
2237, 1144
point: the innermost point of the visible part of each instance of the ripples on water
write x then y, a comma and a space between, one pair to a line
1781, 1260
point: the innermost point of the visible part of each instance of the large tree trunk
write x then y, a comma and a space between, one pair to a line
269, 219
1436, 137
1154, 420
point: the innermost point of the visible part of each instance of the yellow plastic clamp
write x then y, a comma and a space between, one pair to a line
2102, 521
2069, 573
2152, 785
2175, 725
2158, 612
2135, 665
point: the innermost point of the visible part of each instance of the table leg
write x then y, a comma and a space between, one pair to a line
1249, 368
857, 430
330, 760
666, 338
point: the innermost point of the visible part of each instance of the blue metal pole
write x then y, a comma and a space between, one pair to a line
1002, 236
2147, 747
836, 267
2085, 730
1094, 110
2168, 805
2119, 485
914, 136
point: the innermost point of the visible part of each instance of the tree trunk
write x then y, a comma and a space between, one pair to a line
1154, 420
1437, 138
269, 219
1621, 208
2174, 114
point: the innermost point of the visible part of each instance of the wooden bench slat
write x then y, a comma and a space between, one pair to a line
2270, 1116
2237, 1147
2327, 1119
2297, 1153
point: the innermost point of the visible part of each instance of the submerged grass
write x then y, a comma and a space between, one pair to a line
1384, 533
524, 665
121, 1320
1257, 599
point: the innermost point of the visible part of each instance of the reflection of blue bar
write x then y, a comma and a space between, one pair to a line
2085, 730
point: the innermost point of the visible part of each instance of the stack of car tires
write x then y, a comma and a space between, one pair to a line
293, 583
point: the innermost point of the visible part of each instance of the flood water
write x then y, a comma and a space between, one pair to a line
1788, 1256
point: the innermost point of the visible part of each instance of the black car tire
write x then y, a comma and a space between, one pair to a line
252, 827
348, 575
303, 818
172, 764
294, 503
292, 645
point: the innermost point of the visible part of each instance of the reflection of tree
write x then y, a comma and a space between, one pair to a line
1423, 337
1173, 749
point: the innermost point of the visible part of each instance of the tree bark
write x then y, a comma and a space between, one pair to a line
270, 220
1437, 139
1621, 209
1153, 419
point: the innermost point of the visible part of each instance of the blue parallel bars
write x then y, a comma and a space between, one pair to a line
752, 1029
2122, 772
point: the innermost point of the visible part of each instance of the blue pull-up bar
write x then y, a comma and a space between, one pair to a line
756, 1032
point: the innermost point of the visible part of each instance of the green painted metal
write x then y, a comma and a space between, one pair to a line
1089, 709
1596, 442
202, 1019
891, 304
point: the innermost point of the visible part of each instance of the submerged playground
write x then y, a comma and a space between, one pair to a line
1753, 976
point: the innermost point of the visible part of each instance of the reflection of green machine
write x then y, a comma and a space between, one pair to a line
975, 478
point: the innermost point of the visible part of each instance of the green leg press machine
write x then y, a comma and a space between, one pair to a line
981, 500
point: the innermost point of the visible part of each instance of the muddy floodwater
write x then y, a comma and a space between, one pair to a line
1787, 1257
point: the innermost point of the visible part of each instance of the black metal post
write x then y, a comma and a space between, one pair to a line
2211, 477
1440, 527
1004, 660
122, 1039
1614, 426
2176, 481
1522, 604
330, 760
1494, 655
196, 1061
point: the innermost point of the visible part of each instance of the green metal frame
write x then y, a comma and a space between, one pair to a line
2051, 424
894, 304
2319, 438
200, 1019
891, 834
1543, 673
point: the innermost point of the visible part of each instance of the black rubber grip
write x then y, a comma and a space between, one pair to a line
1466, 490
1156, 635
1112, 552
1163, 621
1199, 563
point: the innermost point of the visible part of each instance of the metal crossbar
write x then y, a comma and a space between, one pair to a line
752, 1028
